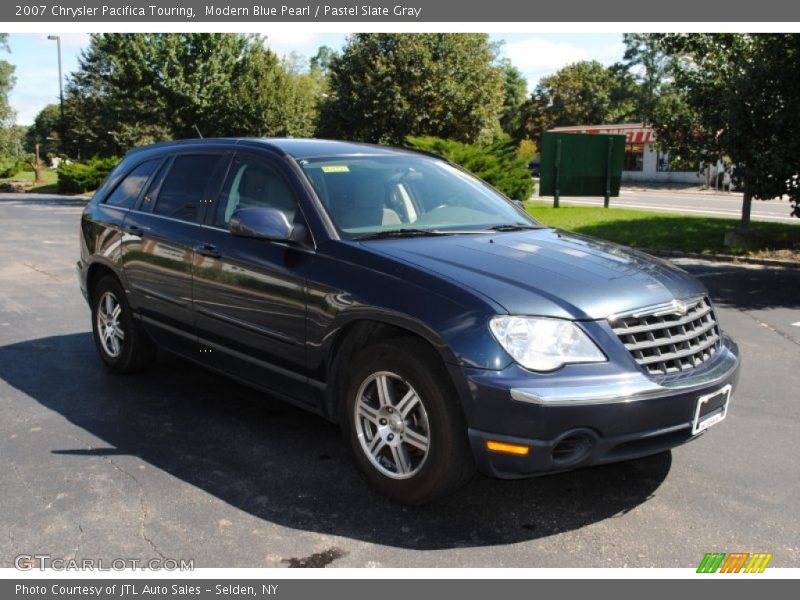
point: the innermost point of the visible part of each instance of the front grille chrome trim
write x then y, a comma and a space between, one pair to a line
669, 338
674, 339
711, 341
682, 321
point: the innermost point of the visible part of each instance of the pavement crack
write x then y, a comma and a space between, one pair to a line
28, 487
78, 542
142, 507
786, 336
140, 488
33, 267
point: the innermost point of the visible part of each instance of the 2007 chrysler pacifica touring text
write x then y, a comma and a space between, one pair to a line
440, 325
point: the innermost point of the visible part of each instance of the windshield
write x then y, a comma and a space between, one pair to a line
367, 196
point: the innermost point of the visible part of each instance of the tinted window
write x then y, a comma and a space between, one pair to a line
251, 183
182, 191
128, 190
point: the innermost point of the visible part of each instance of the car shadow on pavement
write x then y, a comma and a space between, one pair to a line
283, 465
749, 288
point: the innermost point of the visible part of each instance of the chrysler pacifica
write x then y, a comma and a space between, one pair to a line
390, 291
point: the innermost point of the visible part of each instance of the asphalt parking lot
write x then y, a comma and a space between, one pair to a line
183, 464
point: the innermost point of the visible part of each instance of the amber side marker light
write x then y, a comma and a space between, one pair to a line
507, 448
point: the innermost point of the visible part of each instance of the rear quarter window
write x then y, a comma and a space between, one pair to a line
127, 191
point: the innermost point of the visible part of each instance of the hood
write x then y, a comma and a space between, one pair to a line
546, 272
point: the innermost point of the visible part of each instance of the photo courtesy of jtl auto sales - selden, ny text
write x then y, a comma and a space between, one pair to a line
400, 299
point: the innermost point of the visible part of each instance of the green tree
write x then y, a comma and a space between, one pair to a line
132, 89
7, 81
515, 93
323, 58
9, 138
13, 151
385, 87
271, 97
44, 131
649, 67
741, 96
582, 93
655, 95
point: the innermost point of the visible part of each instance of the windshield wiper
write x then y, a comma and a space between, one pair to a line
510, 227
396, 233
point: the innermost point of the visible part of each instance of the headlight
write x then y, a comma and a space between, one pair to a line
542, 344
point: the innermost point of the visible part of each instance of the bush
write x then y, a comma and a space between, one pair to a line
496, 163
11, 166
527, 150
80, 177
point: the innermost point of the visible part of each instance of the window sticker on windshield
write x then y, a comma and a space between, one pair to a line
335, 169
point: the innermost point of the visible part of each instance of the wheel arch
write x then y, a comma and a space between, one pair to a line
361, 329
95, 272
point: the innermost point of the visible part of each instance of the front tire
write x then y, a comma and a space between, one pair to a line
120, 341
403, 423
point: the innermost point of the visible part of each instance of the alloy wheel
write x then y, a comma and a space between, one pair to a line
392, 425
109, 324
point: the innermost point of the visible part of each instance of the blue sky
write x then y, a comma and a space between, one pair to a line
536, 55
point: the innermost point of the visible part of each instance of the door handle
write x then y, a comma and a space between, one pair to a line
209, 250
134, 229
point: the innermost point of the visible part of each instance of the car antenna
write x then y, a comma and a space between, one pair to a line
197, 129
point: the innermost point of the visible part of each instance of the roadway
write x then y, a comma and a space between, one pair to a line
701, 204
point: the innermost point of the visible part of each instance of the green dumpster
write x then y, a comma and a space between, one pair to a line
581, 164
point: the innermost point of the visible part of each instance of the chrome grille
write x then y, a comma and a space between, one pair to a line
670, 338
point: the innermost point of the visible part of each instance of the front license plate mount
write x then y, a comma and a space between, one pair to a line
711, 409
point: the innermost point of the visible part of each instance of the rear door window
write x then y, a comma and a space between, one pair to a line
183, 190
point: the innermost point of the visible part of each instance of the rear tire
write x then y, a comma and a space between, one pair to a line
121, 343
404, 424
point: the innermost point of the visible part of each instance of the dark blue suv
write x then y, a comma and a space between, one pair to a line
390, 291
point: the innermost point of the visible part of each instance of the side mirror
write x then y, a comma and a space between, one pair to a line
263, 223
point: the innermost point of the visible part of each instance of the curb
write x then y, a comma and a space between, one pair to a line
708, 192
728, 258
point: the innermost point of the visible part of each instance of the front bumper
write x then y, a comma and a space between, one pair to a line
587, 415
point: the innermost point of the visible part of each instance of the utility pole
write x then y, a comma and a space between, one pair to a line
57, 39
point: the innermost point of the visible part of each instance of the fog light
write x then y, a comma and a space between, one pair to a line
507, 448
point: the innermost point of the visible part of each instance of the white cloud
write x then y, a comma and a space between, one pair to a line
75, 40
36, 87
611, 53
286, 42
29, 104
537, 54
69, 41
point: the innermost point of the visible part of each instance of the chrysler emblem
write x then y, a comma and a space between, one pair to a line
673, 307
680, 307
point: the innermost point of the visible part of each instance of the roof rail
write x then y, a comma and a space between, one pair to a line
182, 142
421, 151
